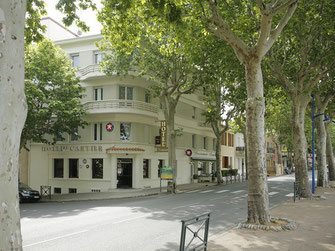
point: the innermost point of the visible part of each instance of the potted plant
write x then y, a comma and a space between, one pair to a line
195, 178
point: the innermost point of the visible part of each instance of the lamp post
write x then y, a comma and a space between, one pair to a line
326, 119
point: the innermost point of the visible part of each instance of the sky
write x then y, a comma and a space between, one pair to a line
88, 16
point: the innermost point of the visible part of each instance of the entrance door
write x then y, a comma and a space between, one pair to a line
124, 173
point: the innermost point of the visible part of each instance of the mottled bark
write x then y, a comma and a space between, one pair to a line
300, 144
321, 152
169, 108
13, 114
330, 156
258, 200
218, 135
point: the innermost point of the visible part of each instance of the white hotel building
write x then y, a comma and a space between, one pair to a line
119, 147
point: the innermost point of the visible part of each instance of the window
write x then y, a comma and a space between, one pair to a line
97, 169
58, 168
126, 92
147, 97
75, 60
194, 112
73, 168
74, 134
98, 131
146, 163
193, 140
125, 129
98, 93
98, 57
205, 143
59, 135
57, 190
72, 190
160, 165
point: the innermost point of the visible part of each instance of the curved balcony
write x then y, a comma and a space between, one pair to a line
89, 69
121, 106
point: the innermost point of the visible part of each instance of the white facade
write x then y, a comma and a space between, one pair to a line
127, 156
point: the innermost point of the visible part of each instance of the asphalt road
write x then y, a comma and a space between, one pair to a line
150, 223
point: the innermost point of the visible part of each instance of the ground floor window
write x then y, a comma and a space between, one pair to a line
146, 163
73, 168
58, 168
97, 169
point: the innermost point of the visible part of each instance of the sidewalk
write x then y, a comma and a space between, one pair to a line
315, 228
122, 193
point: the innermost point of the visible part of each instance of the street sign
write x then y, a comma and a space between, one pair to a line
167, 173
188, 152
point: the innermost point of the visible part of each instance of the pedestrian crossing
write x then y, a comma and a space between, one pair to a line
226, 191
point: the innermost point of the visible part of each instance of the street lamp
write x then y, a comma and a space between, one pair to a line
326, 119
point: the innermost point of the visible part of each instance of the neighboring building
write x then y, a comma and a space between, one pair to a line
233, 151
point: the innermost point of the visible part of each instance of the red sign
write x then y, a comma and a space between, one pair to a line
109, 127
188, 152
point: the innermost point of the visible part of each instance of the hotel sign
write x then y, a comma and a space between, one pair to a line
163, 134
71, 148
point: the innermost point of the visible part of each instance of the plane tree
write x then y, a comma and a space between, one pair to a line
300, 60
13, 107
155, 56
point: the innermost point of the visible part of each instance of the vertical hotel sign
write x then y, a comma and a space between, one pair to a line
163, 134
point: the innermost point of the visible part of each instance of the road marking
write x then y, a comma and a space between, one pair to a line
56, 238
238, 191
273, 193
289, 195
207, 191
189, 205
193, 191
84, 231
222, 191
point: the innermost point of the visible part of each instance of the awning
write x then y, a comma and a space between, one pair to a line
124, 149
203, 159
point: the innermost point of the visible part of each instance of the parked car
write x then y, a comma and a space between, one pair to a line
26, 193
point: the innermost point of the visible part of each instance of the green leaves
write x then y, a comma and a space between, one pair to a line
53, 94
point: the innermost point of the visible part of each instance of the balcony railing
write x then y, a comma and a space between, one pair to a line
89, 69
118, 104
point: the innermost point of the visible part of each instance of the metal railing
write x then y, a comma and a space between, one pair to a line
296, 191
194, 232
120, 104
234, 178
45, 192
89, 69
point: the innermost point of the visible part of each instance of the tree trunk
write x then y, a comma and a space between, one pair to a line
13, 112
218, 160
245, 153
258, 198
171, 138
321, 152
300, 144
330, 157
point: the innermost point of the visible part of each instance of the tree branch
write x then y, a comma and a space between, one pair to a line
277, 9
276, 32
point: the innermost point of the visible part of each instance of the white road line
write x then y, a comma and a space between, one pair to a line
238, 191
56, 238
222, 191
207, 191
289, 195
189, 205
193, 191
84, 231
273, 193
